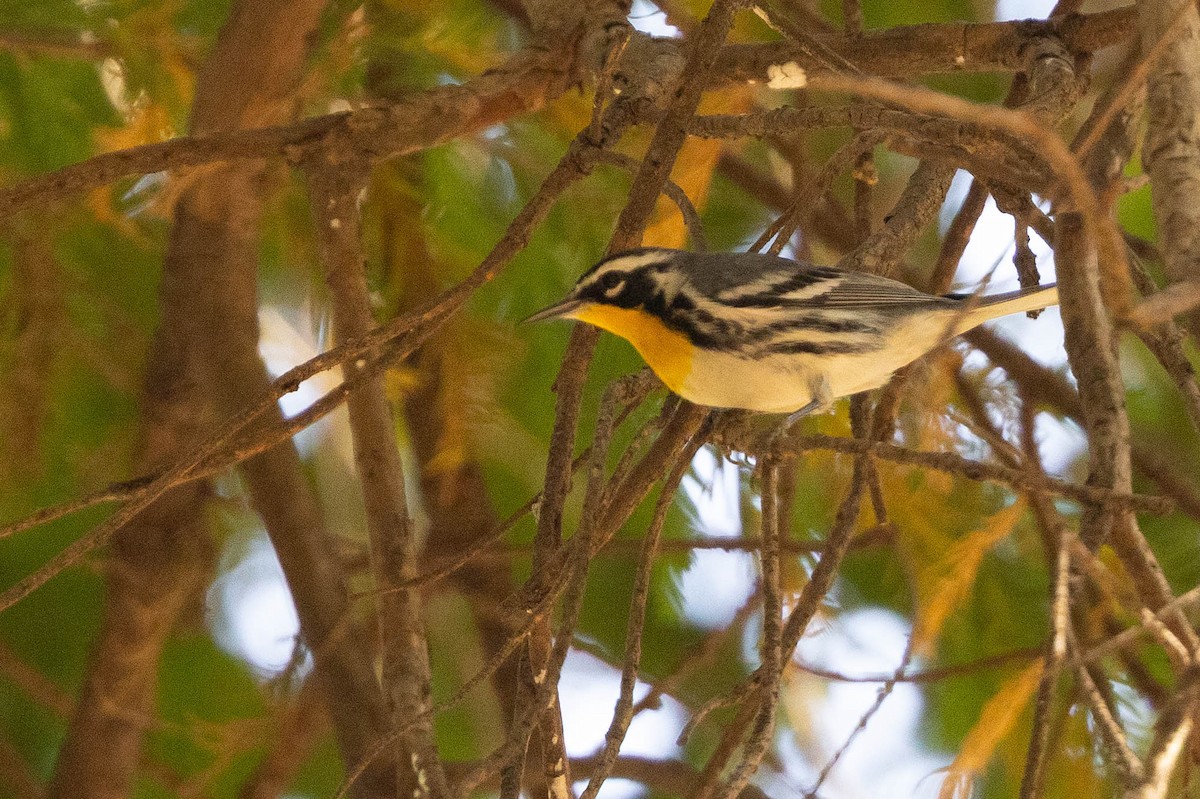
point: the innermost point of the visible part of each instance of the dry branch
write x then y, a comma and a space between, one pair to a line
536, 76
659, 85
910, 50
160, 558
407, 686
1170, 156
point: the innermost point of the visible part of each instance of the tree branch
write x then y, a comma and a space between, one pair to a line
160, 558
1173, 126
335, 186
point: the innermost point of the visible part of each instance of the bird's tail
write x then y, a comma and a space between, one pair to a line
997, 305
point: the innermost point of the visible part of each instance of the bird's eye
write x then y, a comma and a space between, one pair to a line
610, 282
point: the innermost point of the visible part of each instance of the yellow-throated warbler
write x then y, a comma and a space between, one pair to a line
741, 330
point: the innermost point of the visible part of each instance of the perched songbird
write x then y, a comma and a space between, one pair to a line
741, 330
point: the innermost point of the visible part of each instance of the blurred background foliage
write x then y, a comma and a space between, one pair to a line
963, 571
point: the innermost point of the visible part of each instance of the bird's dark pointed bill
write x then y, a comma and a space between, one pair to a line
556, 311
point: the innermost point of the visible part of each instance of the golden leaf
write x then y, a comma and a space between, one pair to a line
943, 583
693, 172
999, 717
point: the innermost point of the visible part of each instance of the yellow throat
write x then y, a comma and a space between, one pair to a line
667, 352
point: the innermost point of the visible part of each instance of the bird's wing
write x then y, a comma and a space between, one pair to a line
861, 289
766, 281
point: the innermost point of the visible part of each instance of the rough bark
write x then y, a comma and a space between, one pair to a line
205, 356
406, 676
157, 565
1171, 154
215, 245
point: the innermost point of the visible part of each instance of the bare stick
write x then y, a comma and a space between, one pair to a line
772, 644
624, 711
407, 682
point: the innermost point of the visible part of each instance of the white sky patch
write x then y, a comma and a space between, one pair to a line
1023, 9
649, 18
786, 76
1137, 714
714, 489
251, 611
588, 690
990, 250
716, 583
284, 344
991, 247
1042, 338
884, 760
141, 194
495, 132
1061, 444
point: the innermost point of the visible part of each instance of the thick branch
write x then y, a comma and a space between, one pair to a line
1171, 156
911, 50
534, 77
159, 560
406, 676
213, 255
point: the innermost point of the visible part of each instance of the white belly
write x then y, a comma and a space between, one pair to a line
778, 384
783, 383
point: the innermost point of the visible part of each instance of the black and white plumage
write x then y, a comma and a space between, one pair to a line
764, 333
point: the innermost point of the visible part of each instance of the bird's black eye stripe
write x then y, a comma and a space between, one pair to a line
610, 280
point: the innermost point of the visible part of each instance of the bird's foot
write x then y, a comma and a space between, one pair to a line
821, 402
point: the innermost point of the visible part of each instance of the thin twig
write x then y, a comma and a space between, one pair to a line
624, 711
889, 685
1171, 733
407, 681
701, 656
1059, 537
772, 644
1133, 80
691, 217
1099, 228
1110, 730
852, 17
809, 601
780, 232
1130, 635
997, 661
952, 463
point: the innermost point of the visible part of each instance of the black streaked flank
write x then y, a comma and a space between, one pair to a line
821, 348
823, 324
646, 286
701, 327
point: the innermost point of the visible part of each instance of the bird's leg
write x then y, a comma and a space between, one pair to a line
822, 398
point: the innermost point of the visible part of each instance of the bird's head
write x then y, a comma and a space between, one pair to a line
633, 294
642, 279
